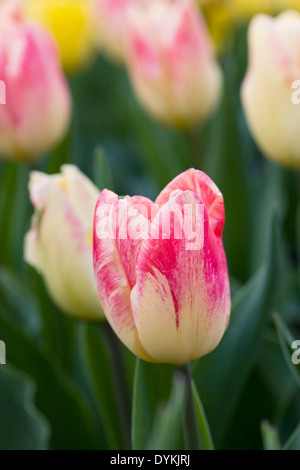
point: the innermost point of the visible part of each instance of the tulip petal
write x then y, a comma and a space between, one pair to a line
111, 277
201, 184
181, 300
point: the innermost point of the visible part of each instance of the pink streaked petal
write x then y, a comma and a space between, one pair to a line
190, 39
181, 300
201, 184
112, 283
130, 222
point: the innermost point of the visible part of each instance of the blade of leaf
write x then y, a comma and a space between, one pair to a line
22, 426
204, 430
152, 386
57, 397
270, 436
286, 339
96, 350
293, 443
167, 424
102, 172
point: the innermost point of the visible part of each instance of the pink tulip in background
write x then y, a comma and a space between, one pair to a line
110, 25
37, 110
171, 62
167, 300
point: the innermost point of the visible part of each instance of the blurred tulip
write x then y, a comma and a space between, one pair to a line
110, 25
59, 244
70, 21
171, 62
267, 94
161, 269
37, 106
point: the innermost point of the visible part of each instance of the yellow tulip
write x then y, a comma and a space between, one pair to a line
71, 23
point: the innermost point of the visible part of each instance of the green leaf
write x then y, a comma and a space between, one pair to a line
203, 427
22, 425
152, 388
270, 436
293, 443
102, 172
57, 396
98, 361
221, 375
167, 424
20, 300
286, 341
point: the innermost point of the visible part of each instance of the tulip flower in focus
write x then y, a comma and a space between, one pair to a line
171, 62
59, 244
71, 23
161, 269
267, 92
37, 106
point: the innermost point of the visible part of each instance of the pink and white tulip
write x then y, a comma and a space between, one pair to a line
37, 105
270, 90
171, 62
60, 242
110, 18
166, 297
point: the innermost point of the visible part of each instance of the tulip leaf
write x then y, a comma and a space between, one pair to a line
152, 388
203, 427
22, 425
292, 356
57, 397
270, 436
221, 375
14, 208
21, 301
97, 354
102, 172
167, 423
293, 443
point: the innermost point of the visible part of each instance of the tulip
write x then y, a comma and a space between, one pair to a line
110, 25
59, 244
267, 94
171, 62
70, 21
37, 105
161, 269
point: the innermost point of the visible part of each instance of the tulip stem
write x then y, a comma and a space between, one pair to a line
189, 417
194, 138
120, 382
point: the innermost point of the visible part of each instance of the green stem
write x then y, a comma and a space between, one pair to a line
120, 382
194, 139
189, 417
